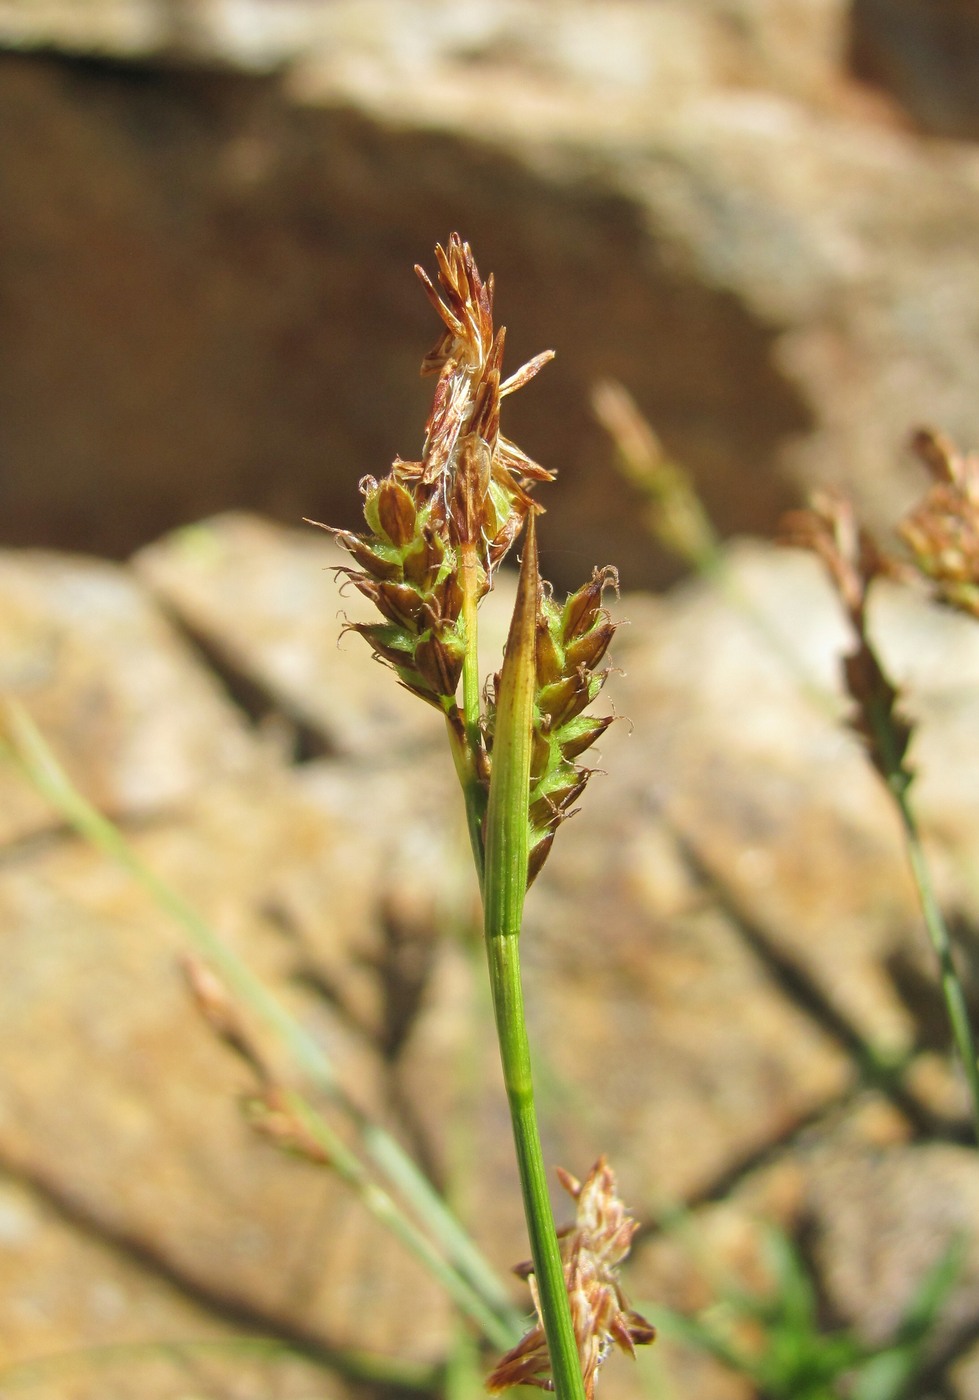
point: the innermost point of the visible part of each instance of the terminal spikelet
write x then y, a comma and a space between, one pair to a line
467, 498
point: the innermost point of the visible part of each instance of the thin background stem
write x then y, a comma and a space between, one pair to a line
888, 759
469, 1278
952, 990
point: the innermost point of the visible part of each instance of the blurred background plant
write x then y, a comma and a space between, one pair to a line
775, 1339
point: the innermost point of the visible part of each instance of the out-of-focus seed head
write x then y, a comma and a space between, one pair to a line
942, 532
591, 1251
852, 559
674, 513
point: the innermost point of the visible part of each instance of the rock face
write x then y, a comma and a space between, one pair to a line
210, 213
210, 224
720, 944
926, 56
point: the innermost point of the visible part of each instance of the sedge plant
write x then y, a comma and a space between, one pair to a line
437, 530
942, 536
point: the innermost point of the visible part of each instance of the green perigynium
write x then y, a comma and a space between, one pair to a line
571, 643
410, 574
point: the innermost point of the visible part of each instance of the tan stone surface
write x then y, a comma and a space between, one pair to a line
139, 738
926, 57
733, 829
144, 1336
746, 758
865, 1233
117, 1097
632, 1056
269, 602
883, 1220
792, 43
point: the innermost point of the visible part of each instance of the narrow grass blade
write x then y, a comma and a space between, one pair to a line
470, 1279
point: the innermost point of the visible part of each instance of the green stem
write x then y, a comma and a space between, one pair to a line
952, 990
472, 792
507, 843
480, 1292
504, 966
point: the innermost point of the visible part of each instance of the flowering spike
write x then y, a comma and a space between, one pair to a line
571, 641
526, 373
579, 734
588, 650
591, 1252
468, 497
374, 562
481, 477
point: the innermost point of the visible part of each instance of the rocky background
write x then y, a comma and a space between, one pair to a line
761, 215
210, 212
